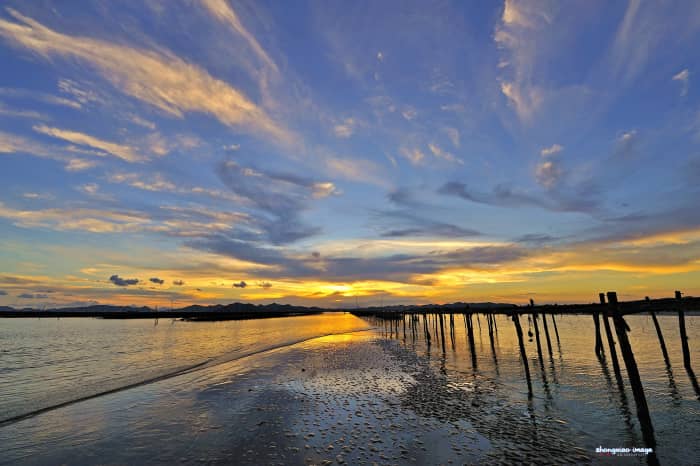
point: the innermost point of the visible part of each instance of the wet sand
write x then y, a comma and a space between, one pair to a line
354, 398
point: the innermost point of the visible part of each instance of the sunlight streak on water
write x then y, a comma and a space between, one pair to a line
46, 362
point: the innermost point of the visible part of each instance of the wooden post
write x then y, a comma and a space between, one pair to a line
403, 320
470, 336
598, 340
442, 333
523, 355
621, 328
546, 334
662, 343
556, 330
425, 328
611, 341
537, 338
684, 335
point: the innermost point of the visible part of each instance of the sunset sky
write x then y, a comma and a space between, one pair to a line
333, 152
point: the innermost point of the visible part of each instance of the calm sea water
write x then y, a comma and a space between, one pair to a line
44, 362
572, 386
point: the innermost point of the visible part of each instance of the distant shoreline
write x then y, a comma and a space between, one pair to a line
241, 311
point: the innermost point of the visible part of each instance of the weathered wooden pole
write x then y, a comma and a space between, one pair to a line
684, 335
621, 328
546, 334
523, 354
662, 343
425, 328
556, 330
442, 333
403, 319
596, 321
537, 338
470, 337
493, 346
611, 341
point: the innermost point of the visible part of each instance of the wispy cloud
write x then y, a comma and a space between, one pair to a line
39, 96
282, 196
124, 152
222, 11
551, 150
159, 78
155, 182
443, 154
413, 155
345, 129
683, 77
17, 113
516, 36
506, 196
549, 173
77, 165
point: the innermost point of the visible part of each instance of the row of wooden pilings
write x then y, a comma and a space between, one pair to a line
609, 311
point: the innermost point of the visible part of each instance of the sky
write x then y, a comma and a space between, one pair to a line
337, 153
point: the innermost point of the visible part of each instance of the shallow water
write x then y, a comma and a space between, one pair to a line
47, 362
572, 387
232, 407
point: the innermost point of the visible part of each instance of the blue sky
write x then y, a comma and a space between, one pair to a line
327, 152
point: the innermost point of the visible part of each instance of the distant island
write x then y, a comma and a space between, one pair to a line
234, 311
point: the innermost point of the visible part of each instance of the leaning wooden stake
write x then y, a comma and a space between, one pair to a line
523, 355
596, 321
684, 335
662, 343
546, 334
640, 400
442, 333
556, 330
425, 329
537, 339
611, 341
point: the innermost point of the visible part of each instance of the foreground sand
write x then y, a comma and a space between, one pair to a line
355, 399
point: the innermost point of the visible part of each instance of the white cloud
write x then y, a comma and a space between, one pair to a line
155, 183
442, 154
222, 11
158, 78
551, 150
409, 113
526, 99
548, 173
92, 220
683, 77
80, 92
122, 151
11, 112
76, 165
415, 155
517, 35
137, 120
345, 129
41, 196
627, 136
39, 96
90, 188
11, 144
324, 189
354, 169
